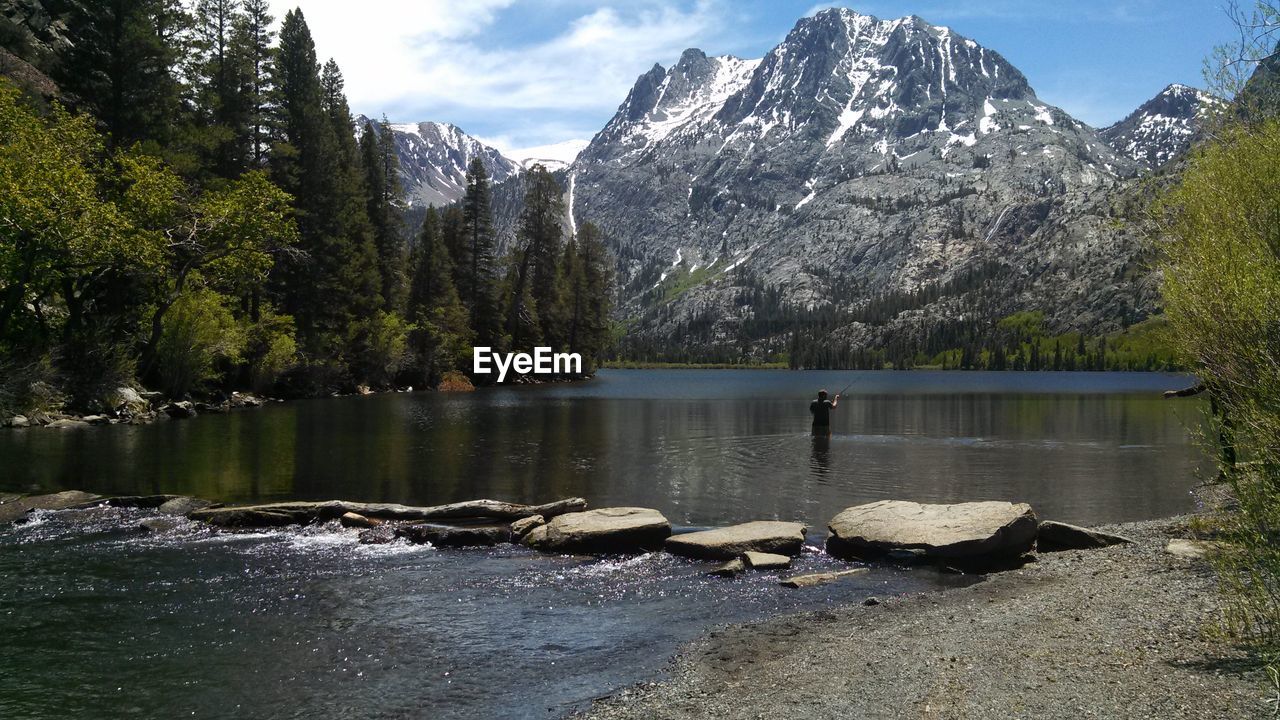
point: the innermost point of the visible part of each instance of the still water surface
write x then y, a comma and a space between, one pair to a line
102, 621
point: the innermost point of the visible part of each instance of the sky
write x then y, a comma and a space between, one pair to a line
522, 73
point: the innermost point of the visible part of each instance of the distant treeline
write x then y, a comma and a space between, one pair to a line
186, 203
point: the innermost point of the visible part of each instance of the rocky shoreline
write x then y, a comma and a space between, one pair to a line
1119, 632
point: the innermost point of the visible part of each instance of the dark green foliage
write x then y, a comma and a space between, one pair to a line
382, 188
441, 337
475, 254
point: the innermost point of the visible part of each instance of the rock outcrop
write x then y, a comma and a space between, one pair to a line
454, 535
604, 530
17, 509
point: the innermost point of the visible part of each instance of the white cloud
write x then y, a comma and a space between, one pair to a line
435, 59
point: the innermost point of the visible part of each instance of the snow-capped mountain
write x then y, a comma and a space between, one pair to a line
555, 156
434, 158
1164, 126
859, 158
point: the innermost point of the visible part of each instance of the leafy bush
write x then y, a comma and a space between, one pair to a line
1222, 297
199, 332
270, 350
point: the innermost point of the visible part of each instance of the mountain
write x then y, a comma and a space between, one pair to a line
434, 158
1164, 127
860, 160
556, 156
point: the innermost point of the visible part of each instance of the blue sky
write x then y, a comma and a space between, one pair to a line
521, 73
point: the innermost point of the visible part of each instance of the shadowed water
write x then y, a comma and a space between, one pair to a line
102, 620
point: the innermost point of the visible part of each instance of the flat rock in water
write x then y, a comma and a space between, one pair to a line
973, 532
161, 524
729, 569
603, 530
245, 518
183, 505
455, 536
380, 535
766, 536
521, 527
149, 502
17, 509
765, 561
1053, 536
799, 581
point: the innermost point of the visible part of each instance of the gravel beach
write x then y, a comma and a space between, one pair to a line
1122, 632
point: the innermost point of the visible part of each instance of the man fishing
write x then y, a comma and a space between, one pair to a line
821, 411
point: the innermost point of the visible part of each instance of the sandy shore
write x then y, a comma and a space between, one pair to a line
1123, 632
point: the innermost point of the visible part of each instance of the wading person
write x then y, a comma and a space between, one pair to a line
821, 411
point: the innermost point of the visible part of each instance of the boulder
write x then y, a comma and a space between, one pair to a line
521, 527
96, 420
765, 561
455, 535
186, 505
604, 530
18, 509
799, 581
729, 569
1053, 536
972, 534
765, 536
128, 401
19, 421
65, 423
140, 501
180, 410
355, 520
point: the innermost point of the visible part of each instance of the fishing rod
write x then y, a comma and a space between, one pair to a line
846, 387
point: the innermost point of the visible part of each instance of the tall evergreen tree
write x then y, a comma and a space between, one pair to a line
382, 186
252, 45
478, 253
124, 67
441, 333
589, 301
219, 84
537, 268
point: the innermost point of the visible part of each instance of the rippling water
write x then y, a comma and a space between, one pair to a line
101, 620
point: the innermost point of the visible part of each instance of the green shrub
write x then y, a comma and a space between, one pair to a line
1222, 298
270, 350
199, 332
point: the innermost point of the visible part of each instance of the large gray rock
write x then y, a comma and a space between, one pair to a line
976, 531
1053, 536
523, 526
186, 505
18, 509
765, 561
180, 410
603, 530
246, 518
765, 536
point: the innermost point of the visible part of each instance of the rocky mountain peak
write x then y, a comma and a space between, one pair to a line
434, 157
1163, 127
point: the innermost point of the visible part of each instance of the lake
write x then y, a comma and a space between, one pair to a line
103, 620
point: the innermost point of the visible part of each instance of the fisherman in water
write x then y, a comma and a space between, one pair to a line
821, 411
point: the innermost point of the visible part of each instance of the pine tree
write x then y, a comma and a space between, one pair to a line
382, 185
221, 107
538, 260
590, 294
441, 333
124, 68
251, 44
477, 252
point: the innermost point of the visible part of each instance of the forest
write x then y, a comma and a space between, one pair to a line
187, 206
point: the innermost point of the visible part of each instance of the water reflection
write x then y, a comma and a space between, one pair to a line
705, 447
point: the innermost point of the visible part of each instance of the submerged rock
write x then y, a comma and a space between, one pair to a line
141, 501
65, 423
245, 518
973, 534
604, 530
454, 535
160, 524
17, 509
380, 535
729, 569
765, 561
180, 410
1052, 536
765, 536
799, 581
